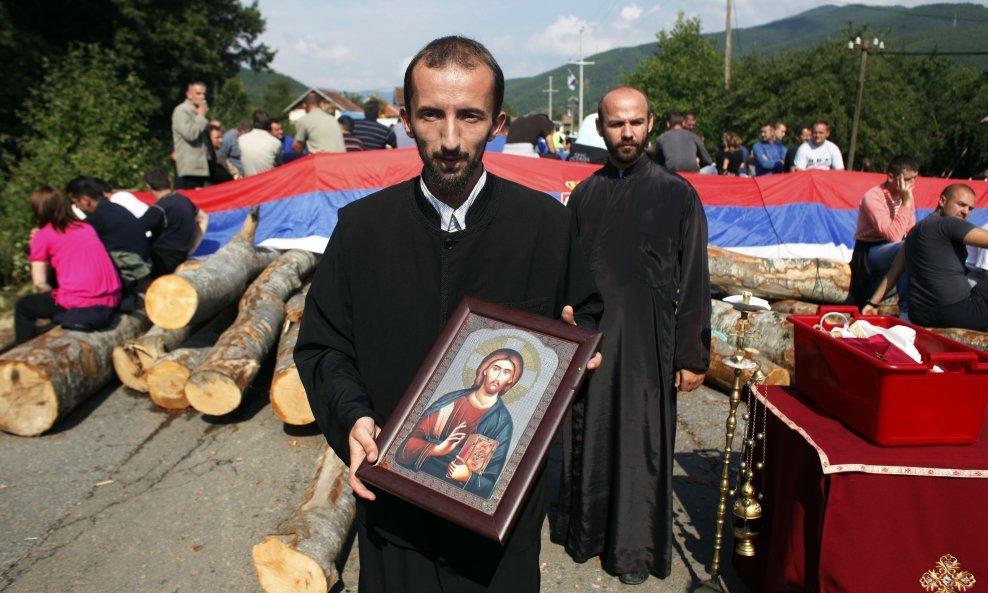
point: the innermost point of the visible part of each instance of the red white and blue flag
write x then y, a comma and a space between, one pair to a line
805, 214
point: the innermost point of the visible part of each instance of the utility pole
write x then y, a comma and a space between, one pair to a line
581, 63
550, 90
865, 47
727, 47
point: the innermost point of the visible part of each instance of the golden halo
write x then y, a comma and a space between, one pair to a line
529, 354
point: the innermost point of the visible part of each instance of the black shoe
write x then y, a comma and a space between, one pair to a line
634, 578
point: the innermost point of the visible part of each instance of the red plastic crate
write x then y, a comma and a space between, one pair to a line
893, 404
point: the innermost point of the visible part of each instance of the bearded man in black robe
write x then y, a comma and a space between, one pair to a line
645, 235
398, 263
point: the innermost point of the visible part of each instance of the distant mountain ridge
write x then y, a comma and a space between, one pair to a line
931, 27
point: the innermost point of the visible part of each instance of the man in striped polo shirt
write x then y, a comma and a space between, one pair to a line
374, 135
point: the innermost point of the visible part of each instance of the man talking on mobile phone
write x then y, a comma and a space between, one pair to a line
189, 138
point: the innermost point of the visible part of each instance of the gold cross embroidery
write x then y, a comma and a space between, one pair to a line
947, 578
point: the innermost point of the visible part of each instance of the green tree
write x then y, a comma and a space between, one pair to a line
230, 103
76, 129
925, 107
686, 74
278, 94
164, 43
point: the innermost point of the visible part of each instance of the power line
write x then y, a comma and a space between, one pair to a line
912, 13
936, 53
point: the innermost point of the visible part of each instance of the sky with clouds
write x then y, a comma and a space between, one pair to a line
356, 46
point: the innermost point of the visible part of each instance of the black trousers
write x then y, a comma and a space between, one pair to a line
190, 181
28, 310
164, 261
971, 313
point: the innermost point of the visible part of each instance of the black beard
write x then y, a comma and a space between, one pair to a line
622, 157
443, 183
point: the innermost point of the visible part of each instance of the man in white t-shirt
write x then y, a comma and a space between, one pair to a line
818, 152
259, 150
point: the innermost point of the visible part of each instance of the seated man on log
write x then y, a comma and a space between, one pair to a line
885, 215
177, 225
121, 232
933, 257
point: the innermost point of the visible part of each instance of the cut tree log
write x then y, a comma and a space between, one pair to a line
972, 338
296, 305
44, 379
721, 376
133, 358
888, 307
773, 334
191, 296
218, 385
168, 374
288, 399
817, 280
302, 556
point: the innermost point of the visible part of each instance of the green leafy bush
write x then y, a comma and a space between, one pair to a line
86, 118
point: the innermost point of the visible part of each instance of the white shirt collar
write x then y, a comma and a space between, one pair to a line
449, 219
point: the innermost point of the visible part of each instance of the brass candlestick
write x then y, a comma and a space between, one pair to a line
742, 329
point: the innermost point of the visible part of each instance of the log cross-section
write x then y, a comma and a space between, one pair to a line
193, 295
218, 385
288, 399
302, 557
43, 379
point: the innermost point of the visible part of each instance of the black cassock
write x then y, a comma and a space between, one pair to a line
644, 233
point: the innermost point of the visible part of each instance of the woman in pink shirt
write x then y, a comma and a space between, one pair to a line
86, 277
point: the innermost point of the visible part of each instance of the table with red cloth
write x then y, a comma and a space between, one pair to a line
844, 515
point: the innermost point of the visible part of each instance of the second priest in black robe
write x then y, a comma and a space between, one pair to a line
644, 233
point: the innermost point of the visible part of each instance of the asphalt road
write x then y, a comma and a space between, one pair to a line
122, 497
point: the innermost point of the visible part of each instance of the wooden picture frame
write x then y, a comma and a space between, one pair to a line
502, 451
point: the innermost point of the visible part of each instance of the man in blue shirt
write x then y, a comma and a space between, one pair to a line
121, 233
770, 154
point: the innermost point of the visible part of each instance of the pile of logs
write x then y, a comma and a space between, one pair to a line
201, 351
797, 286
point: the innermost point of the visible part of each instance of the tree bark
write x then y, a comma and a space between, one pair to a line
302, 556
196, 294
44, 379
972, 338
296, 305
772, 333
217, 386
288, 399
889, 307
167, 375
133, 359
817, 280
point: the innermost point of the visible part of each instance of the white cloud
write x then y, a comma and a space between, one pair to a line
629, 14
562, 37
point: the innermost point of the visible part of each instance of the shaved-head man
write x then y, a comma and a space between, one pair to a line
819, 152
645, 234
934, 256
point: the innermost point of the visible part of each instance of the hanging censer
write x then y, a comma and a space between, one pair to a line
747, 501
750, 508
